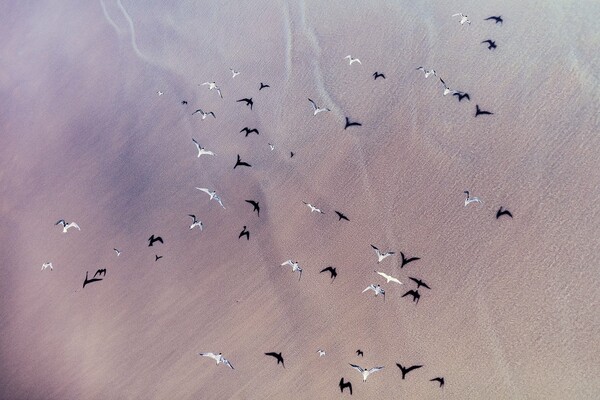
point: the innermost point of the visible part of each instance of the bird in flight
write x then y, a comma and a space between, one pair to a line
183, 102
218, 358
377, 75
349, 124
295, 267
407, 369
491, 44
213, 195
248, 101
263, 86
439, 379
47, 265
86, 281
470, 199
213, 86
271, 146
240, 163
255, 205
277, 356
366, 372
351, 60
321, 353
292, 154
317, 109
447, 90
389, 278
341, 216
478, 111
502, 212
204, 114
407, 260
202, 150
313, 208
118, 252
66, 225
233, 73
463, 18
159, 93
419, 283
414, 293
382, 255
498, 19
195, 222
427, 72
360, 353
244, 232
462, 95
153, 239
157, 257
343, 385
377, 289
249, 131
332, 271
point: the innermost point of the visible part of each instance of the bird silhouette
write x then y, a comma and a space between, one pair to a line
153, 239
240, 163
462, 95
419, 283
360, 353
378, 75
502, 212
248, 101
439, 379
407, 260
332, 271
86, 281
277, 356
498, 19
244, 232
414, 293
249, 131
344, 385
263, 85
183, 102
349, 124
157, 257
255, 205
292, 154
478, 111
407, 369
341, 216
491, 44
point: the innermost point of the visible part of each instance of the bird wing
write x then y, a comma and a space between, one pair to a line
413, 367
211, 355
313, 104
288, 262
226, 362
368, 288
356, 367
205, 190
376, 249
193, 216
386, 276
74, 225
61, 221
375, 369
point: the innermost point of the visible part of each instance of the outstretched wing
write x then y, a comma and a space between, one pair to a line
356, 367
375, 369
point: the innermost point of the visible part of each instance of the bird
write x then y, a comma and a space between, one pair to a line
427, 72
360, 353
407, 260
47, 265
491, 44
313, 208
153, 239
218, 358
204, 114
118, 252
502, 212
213, 195
366, 372
277, 356
295, 267
343, 385
321, 353
249, 131
66, 225
244, 232
255, 205
292, 154
479, 112
86, 281
271, 146
183, 102
317, 109
419, 283
349, 124
378, 75
470, 199
414, 293
382, 255
447, 90
498, 19
351, 60
157, 257
389, 278
159, 93
407, 369
263, 86
241, 163
195, 222
202, 150
248, 101
463, 18
341, 216
462, 95
332, 271
439, 379
233, 73
213, 86
377, 289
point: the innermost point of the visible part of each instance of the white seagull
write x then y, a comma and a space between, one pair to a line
463, 18
212, 194
470, 199
218, 358
233, 73
118, 252
204, 114
317, 109
366, 372
427, 72
377, 289
351, 60
313, 208
389, 278
321, 352
159, 93
382, 255
67, 226
195, 222
295, 266
447, 90
202, 150
271, 146
213, 86
47, 265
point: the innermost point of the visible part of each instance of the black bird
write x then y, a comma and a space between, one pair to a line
249, 131
262, 86
331, 270
378, 75
498, 19
407, 260
349, 124
491, 44
184, 102
439, 379
359, 352
241, 163
153, 239
419, 283
462, 95
255, 205
479, 112
502, 212
248, 101
101, 272
344, 385
277, 356
415, 294
341, 216
292, 154
86, 281
407, 370
157, 257
244, 232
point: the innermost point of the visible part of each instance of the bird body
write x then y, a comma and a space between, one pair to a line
218, 358
407, 260
248, 101
295, 266
256, 206
502, 212
263, 86
419, 283
378, 75
498, 19
332, 271
491, 44
249, 131
470, 199
349, 124
365, 372
382, 255
389, 278
195, 222
234, 73
352, 60
317, 109
343, 385
321, 353
47, 265
479, 111
462, 95
213, 86
377, 289
153, 239
240, 163
313, 208
341, 216
213, 195
118, 252
66, 225
427, 72
204, 114
439, 379
415, 295
202, 150
463, 18
278, 356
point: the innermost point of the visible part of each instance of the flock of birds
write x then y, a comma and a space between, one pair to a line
376, 288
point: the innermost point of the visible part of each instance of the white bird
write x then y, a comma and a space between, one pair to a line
47, 265
204, 114
382, 255
118, 252
389, 278
377, 289
447, 90
213, 86
202, 150
295, 266
427, 72
321, 352
352, 60
470, 199
213, 195
218, 358
317, 109
366, 372
159, 93
66, 225
271, 146
195, 222
313, 208
463, 18
233, 73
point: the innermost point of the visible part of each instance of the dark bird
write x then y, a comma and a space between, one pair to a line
241, 163
378, 75
439, 379
249, 131
479, 112
244, 232
262, 86
341, 216
349, 124
491, 44
153, 239
419, 283
462, 95
86, 281
407, 370
100, 272
415, 294
407, 260
359, 352
292, 154
277, 356
248, 102
498, 19
502, 212
184, 102
331, 270
157, 257
344, 385
255, 205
